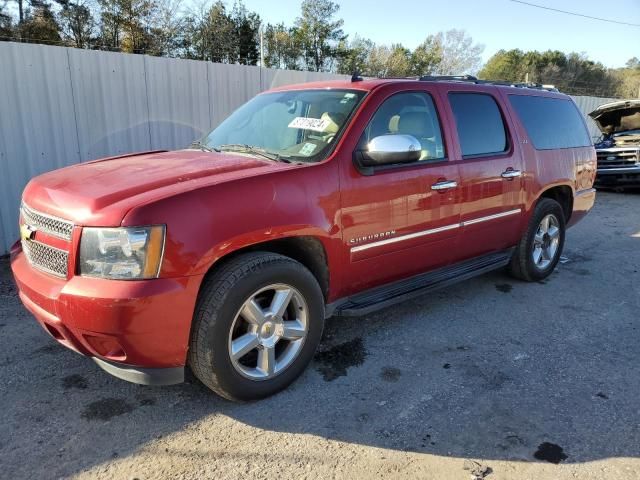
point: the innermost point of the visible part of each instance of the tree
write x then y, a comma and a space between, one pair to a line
167, 29
245, 35
427, 56
281, 47
76, 21
353, 56
628, 79
6, 22
572, 73
459, 55
388, 61
40, 24
319, 34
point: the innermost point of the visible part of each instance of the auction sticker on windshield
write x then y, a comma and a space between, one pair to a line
315, 124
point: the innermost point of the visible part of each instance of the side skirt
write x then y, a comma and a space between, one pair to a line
400, 291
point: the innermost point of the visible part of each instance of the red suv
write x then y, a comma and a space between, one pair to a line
330, 198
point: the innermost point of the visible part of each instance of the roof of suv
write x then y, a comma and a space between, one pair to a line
371, 84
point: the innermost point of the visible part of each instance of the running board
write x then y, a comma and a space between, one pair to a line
381, 297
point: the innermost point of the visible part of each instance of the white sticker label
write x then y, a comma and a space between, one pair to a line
315, 124
347, 97
307, 149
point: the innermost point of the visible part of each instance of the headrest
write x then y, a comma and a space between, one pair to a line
393, 124
417, 124
335, 120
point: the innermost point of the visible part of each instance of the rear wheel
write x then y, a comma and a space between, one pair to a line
539, 250
257, 325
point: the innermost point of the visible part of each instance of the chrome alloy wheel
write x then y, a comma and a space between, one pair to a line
268, 332
546, 241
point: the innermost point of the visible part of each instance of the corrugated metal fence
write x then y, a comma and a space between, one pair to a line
60, 106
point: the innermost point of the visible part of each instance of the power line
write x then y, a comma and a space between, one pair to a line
576, 14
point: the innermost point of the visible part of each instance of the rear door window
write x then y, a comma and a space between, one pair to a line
551, 123
481, 129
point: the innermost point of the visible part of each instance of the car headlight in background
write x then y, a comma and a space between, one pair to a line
124, 253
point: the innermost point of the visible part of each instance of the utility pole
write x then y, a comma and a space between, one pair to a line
261, 31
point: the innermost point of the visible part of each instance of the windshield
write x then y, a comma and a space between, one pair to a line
300, 125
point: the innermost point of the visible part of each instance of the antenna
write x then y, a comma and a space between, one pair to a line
355, 77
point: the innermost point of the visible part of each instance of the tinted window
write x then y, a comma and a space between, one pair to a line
410, 113
551, 122
481, 130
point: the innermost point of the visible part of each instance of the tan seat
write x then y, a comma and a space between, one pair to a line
420, 126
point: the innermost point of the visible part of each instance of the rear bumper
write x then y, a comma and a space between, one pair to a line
618, 176
583, 201
129, 327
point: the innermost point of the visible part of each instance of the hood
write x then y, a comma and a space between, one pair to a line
101, 192
617, 116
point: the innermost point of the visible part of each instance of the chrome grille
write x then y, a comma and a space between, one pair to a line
46, 258
46, 223
618, 157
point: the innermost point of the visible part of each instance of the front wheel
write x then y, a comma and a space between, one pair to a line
257, 324
539, 250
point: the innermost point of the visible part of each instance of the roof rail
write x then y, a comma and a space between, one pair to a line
472, 79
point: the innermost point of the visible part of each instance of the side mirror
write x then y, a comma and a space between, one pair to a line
389, 149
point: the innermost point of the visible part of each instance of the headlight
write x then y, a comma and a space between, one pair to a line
126, 253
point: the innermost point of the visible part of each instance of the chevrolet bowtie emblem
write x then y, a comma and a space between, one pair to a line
27, 232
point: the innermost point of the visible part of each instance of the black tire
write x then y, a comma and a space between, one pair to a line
221, 297
522, 265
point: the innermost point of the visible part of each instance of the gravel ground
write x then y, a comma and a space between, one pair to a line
530, 381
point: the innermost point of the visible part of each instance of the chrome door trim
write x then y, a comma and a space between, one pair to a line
409, 236
431, 231
490, 217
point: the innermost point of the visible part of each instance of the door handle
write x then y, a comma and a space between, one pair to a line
444, 185
510, 173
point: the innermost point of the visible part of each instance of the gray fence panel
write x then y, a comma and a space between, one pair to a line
178, 96
37, 124
229, 87
111, 106
588, 105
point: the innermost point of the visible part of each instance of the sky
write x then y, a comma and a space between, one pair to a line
497, 24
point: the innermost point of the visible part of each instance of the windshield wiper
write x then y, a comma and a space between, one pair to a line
244, 148
204, 147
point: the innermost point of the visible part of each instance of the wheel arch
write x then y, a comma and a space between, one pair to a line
563, 194
309, 250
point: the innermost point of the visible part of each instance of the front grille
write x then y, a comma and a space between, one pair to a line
46, 223
46, 258
618, 158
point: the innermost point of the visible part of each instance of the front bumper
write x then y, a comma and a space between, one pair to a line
616, 177
135, 330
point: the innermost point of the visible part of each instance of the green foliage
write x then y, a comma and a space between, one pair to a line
6, 22
628, 79
76, 22
318, 34
571, 73
282, 49
39, 24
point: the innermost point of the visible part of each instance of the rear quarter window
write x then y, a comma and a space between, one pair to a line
551, 123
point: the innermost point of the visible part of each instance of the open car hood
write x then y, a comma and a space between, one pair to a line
617, 116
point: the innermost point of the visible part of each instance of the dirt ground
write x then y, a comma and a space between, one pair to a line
532, 381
